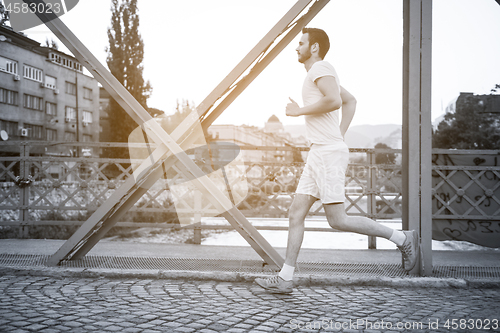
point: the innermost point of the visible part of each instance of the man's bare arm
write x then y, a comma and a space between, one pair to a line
330, 101
348, 109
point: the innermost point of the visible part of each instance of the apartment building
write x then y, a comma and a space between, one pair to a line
45, 96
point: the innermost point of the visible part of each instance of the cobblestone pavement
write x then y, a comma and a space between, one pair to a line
70, 304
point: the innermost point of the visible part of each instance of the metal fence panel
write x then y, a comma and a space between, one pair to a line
65, 190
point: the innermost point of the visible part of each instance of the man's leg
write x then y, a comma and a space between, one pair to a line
338, 219
282, 283
406, 241
296, 216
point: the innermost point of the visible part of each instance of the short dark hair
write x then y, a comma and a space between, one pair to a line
318, 36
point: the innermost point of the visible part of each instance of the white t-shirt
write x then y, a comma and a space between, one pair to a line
322, 128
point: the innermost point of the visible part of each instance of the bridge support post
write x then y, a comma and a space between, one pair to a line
417, 128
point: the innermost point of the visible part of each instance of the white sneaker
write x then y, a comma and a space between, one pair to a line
409, 250
275, 284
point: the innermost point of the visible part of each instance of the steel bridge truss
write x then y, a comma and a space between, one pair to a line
171, 148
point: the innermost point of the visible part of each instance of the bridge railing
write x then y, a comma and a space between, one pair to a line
63, 183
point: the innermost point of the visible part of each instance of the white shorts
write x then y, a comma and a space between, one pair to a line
324, 173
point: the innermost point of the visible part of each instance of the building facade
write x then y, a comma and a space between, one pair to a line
45, 96
104, 100
272, 135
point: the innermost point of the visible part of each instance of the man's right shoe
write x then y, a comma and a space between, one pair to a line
410, 250
275, 284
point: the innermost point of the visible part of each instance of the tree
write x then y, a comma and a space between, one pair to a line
388, 179
495, 89
154, 112
182, 110
469, 127
52, 44
384, 158
125, 57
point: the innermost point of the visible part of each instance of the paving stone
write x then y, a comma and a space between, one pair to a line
218, 327
236, 330
185, 329
50, 330
132, 330
19, 323
113, 328
63, 328
35, 327
133, 305
243, 326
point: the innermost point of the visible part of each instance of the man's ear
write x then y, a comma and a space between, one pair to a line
315, 47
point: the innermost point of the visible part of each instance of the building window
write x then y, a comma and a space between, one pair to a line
56, 58
34, 131
33, 102
7, 65
69, 136
51, 109
51, 134
87, 93
33, 73
11, 127
70, 88
70, 113
8, 96
50, 82
87, 117
87, 138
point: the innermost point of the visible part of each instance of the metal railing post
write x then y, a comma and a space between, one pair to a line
24, 173
371, 200
197, 218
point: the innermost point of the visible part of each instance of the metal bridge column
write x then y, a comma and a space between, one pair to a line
417, 134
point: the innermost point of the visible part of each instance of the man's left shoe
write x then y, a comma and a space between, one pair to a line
410, 250
275, 284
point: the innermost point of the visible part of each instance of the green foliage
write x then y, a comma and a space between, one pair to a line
125, 57
384, 158
52, 44
156, 112
468, 127
182, 110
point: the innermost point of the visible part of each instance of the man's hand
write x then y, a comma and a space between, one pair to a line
293, 109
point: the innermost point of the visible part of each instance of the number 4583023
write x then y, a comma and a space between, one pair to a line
25, 8
462, 324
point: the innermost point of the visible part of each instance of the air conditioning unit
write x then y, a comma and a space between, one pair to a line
85, 124
67, 119
17, 77
56, 91
24, 132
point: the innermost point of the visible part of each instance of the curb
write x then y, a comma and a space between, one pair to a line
299, 280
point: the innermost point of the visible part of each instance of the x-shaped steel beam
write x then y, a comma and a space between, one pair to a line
170, 148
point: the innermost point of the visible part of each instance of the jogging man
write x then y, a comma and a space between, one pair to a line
323, 177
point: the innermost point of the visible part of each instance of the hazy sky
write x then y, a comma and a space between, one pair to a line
191, 45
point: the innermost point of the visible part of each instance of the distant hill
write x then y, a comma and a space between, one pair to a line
362, 136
